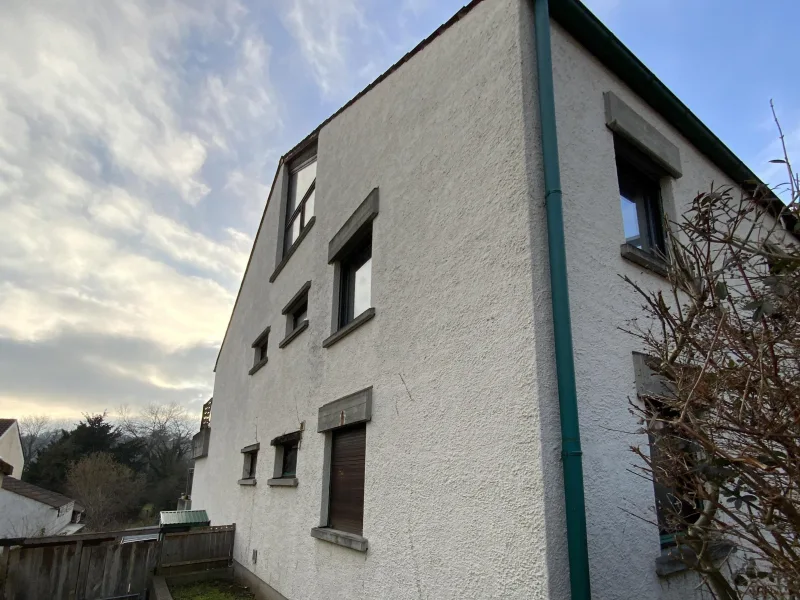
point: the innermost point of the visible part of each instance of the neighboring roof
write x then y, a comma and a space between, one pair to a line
144, 537
5, 425
184, 517
595, 37
34, 492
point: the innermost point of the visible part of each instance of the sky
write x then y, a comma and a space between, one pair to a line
138, 139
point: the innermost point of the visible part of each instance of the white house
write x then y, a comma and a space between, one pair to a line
11, 445
26, 510
407, 402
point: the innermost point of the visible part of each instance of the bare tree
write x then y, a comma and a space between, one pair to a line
164, 432
36, 431
107, 489
725, 429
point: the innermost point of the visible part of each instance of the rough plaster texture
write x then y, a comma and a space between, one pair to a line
453, 476
463, 470
24, 517
600, 304
11, 449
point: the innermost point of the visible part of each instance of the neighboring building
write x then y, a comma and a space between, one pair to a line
11, 445
27, 510
386, 410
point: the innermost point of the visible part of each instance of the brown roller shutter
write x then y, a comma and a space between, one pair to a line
347, 479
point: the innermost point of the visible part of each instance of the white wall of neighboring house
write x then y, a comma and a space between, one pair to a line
464, 495
11, 449
24, 517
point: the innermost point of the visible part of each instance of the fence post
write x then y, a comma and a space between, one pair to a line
73, 574
4, 558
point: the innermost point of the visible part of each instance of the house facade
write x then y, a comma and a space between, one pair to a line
11, 445
387, 413
26, 510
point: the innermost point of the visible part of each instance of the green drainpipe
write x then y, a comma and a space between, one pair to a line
562, 329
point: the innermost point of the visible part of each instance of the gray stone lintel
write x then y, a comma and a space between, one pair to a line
349, 410
301, 293
282, 482
622, 120
251, 447
341, 538
353, 227
648, 382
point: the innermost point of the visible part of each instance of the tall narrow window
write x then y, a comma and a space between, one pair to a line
250, 462
356, 282
300, 202
640, 201
346, 512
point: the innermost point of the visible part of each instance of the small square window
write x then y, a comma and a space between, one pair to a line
250, 463
260, 351
355, 285
296, 312
300, 201
286, 448
640, 200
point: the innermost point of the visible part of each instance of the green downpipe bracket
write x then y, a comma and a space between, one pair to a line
562, 329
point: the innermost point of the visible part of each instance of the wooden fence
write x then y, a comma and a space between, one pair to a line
105, 566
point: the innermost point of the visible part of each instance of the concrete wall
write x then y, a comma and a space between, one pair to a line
23, 517
454, 487
622, 547
11, 449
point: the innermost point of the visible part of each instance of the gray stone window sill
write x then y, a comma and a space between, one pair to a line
251, 481
679, 558
293, 334
257, 366
282, 482
349, 328
341, 538
292, 249
648, 261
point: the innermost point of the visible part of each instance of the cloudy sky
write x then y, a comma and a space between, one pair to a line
138, 138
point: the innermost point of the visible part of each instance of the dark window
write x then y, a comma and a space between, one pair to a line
300, 202
250, 462
299, 315
289, 468
346, 510
640, 200
260, 351
355, 286
675, 506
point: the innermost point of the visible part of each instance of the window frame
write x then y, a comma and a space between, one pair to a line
650, 387
261, 350
294, 325
635, 171
354, 238
280, 476
305, 159
349, 266
249, 464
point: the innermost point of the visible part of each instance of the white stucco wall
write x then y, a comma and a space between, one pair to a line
11, 449
24, 517
453, 501
622, 548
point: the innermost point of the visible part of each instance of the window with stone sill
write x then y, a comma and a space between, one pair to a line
640, 200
